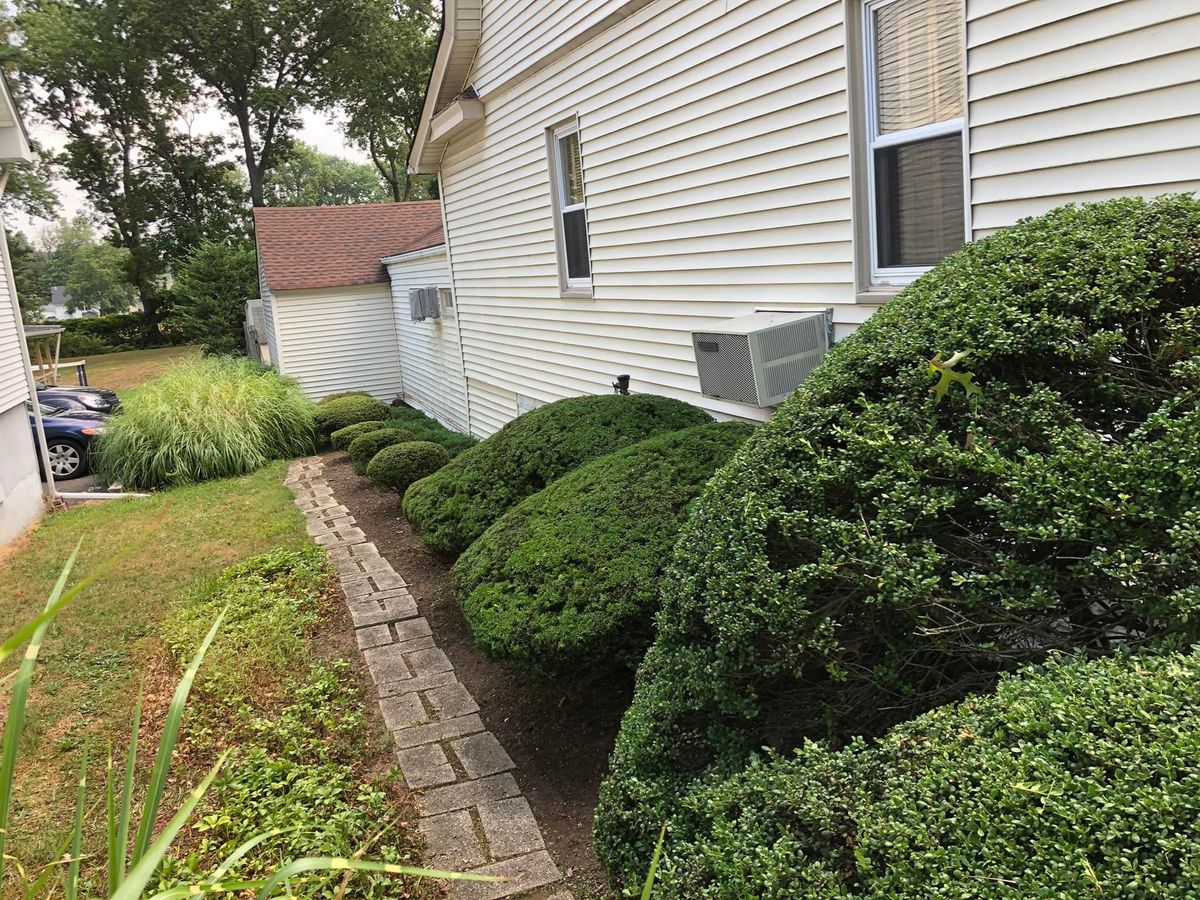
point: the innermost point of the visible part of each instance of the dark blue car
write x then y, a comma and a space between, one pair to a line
69, 436
72, 397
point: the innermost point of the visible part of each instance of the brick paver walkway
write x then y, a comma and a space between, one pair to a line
472, 813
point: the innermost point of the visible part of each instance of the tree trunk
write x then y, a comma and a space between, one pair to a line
254, 173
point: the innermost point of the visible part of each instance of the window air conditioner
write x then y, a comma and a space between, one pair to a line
761, 358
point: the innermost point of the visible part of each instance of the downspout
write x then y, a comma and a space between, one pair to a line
51, 493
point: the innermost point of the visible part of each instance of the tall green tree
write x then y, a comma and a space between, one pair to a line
98, 72
211, 290
380, 86
93, 273
311, 178
30, 269
263, 61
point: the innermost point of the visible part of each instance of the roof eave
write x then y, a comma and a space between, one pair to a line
451, 67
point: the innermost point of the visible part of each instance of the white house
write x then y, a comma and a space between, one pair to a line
616, 174
327, 301
20, 485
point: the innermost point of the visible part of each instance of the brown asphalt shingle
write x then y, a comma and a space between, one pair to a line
328, 246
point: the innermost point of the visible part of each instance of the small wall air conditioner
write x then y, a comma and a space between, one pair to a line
761, 358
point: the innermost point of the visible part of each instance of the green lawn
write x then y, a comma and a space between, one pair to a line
105, 643
122, 371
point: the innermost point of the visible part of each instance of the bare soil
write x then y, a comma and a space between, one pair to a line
559, 739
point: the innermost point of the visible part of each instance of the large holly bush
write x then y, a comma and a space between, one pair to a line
566, 582
877, 550
1074, 781
453, 507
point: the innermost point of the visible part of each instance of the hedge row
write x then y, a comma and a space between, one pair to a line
566, 583
452, 508
1078, 780
877, 550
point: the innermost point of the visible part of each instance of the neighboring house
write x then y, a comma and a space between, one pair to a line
58, 310
20, 485
327, 302
617, 174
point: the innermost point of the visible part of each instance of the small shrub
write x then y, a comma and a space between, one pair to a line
874, 550
424, 428
397, 466
1071, 781
364, 447
452, 508
338, 411
212, 417
567, 581
340, 439
340, 394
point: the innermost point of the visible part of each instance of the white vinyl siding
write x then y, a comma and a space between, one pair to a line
14, 388
431, 360
491, 407
272, 330
338, 339
716, 148
1073, 101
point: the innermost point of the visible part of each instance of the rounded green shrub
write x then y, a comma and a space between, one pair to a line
209, 417
395, 467
364, 447
340, 439
452, 508
1073, 781
566, 582
338, 412
877, 548
340, 394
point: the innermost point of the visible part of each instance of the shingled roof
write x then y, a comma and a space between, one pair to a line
330, 246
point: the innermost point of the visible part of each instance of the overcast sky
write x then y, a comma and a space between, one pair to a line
318, 131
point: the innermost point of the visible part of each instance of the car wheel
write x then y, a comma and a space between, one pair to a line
66, 459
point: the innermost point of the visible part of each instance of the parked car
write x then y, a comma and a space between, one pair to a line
69, 397
69, 436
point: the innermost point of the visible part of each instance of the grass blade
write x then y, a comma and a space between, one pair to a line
143, 870
116, 870
648, 887
342, 864
199, 890
110, 820
20, 692
162, 762
241, 851
72, 889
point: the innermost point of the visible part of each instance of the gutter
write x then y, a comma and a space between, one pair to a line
51, 493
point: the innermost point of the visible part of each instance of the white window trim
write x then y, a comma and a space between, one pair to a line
569, 287
899, 276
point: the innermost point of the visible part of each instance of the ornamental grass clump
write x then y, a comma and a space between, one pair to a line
340, 439
878, 548
339, 410
211, 417
364, 447
396, 467
452, 508
566, 582
1073, 780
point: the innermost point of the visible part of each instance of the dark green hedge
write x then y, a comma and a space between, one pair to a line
364, 447
1075, 781
397, 466
337, 411
424, 428
340, 439
873, 552
451, 509
114, 334
566, 582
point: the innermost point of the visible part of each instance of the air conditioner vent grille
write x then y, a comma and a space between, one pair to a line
725, 366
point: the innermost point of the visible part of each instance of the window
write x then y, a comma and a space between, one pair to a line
445, 298
915, 127
566, 165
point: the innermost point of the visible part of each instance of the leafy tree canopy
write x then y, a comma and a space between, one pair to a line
211, 290
311, 178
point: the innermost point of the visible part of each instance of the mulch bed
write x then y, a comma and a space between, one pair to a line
559, 740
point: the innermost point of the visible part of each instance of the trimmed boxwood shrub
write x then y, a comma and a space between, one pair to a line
452, 508
340, 439
364, 447
566, 582
397, 466
425, 428
338, 412
1074, 781
876, 550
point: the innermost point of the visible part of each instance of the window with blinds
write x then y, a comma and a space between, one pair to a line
566, 163
916, 118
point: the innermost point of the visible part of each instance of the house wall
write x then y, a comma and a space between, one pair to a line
430, 356
717, 159
20, 484
337, 339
